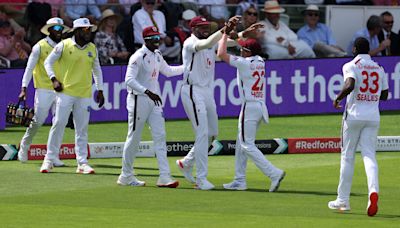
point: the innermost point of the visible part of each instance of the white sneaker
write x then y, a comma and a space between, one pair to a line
372, 207
235, 185
276, 181
339, 205
58, 163
22, 156
166, 181
204, 184
46, 166
85, 169
186, 171
131, 181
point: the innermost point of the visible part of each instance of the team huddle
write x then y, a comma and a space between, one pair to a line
67, 67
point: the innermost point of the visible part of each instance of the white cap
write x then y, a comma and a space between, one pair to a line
83, 23
52, 22
188, 15
312, 8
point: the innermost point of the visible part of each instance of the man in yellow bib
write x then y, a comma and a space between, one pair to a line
45, 96
78, 61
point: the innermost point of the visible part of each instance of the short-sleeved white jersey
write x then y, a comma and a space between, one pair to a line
199, 65
250, 76
370, 80
144, 68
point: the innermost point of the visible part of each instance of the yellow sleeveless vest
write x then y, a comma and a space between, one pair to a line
76, 69
40, 78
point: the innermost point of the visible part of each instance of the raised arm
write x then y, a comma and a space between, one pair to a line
222, 53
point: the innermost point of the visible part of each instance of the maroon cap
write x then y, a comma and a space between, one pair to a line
252, 45
150, 31
199, 20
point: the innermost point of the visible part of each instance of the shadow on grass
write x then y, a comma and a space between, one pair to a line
385, 216
298, 192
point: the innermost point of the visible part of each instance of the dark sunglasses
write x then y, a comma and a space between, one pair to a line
155, 37
388, 22
57, 28
313, 14
4, 24
252, 14
151, 3
86, 29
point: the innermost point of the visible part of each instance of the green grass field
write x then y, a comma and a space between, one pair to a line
65, 199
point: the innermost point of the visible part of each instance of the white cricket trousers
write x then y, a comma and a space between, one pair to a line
81, 111
44, 101
199, 105
251, 115
141, 109
364, 134
275, 51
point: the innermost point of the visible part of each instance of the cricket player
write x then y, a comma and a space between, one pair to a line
365, 84
251, 83
78, 60
197, 94
44, 94
144, 105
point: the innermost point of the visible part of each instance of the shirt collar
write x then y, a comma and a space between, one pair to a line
363, 56
308, 28
77, 45
147, 50
50, 41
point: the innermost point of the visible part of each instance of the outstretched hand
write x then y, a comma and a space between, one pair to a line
231, 24
252, 31
154, 97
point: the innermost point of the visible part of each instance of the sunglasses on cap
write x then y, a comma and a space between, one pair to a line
155, 37
313, 14
245, 49
57, 28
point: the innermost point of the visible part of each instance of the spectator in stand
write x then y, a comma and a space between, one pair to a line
318, 36
14, 9
82, 8
278, 41
110, 47
126, 4
56, 6
387, 33
149, 16
214, 10
183, 30
36, 16
244, 5
249, 17
12, 44
386, 2
374, 26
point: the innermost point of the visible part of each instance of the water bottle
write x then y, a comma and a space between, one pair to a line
19, 114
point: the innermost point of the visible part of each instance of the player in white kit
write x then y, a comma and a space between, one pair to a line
44, 94
144, 105
251, 83
365, 84
197, 94
79, 64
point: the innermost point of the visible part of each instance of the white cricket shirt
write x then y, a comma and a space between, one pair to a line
199, 65
143, 69
370, 80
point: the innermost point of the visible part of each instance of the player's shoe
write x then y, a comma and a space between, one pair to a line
130, 181
46, 166
186, 171
372, 208
339, 205
58, 163
235, 185
276, 181
167, 182
203, 184
22, 156
85, 169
